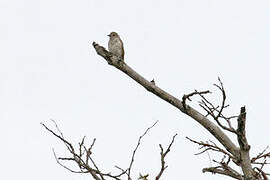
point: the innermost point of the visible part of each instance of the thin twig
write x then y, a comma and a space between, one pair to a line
137, 146
208, 146
162, 157
188, 96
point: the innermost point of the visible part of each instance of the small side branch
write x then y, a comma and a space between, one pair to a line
262, 174
188, 96
261, 155
205, 146
221, 88
216, 112
224, 169
162, 157
135, 150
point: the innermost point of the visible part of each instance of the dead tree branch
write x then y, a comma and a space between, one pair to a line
244, 146
261, 155
221, 170
137, 146
84, 160
162, 157
265, 156
194, 114
188, 96
239, 155
205, 146
216, 112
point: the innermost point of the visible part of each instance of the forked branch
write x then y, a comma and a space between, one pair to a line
162, 157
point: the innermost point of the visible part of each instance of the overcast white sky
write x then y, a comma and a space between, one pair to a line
49, 70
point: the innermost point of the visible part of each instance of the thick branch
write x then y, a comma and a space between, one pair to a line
244, 146
218, 170
242, 140
200, 118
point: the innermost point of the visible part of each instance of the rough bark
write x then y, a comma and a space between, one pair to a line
244, 146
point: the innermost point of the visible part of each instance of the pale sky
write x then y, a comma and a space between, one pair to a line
49, 70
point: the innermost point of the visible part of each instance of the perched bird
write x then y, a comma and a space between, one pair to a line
115, 45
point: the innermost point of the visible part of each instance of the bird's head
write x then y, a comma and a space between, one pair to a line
113, 35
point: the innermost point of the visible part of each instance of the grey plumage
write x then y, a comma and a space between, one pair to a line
115, 45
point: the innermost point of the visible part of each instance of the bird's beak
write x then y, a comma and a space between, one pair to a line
109, 35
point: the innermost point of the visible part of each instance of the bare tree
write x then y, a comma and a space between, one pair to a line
234, 153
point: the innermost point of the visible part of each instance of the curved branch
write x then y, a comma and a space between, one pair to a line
220, 170
194, 114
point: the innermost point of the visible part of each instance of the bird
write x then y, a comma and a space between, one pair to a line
115, 45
